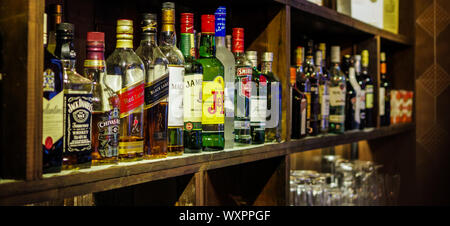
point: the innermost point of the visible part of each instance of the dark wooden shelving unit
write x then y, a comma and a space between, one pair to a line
256, 175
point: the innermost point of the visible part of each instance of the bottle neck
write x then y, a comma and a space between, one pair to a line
220, 41
65, 48
187, 45
207, 45
168, 35
124, 44
148, 39
266, 67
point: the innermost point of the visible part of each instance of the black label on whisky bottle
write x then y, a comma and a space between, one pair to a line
77, 122
156, 91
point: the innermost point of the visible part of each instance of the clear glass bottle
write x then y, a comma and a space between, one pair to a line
125, 76
324, 90
227, 59
156, 90
242, 91
168, 41
299, 99
105, 112
274, 99
338, 89
311, 89
77, 103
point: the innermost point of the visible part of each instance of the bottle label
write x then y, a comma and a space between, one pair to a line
308, 102
126, 148
193, 101
213, 101
369, 96
49, 81
187, 45
176, 86
273, 110
107, 125
156, 91
356, 101
303, 107
382, 101
53, 116
258, 103
244, 75
324, 99
77, 122
131, 98
337, 96
337, 118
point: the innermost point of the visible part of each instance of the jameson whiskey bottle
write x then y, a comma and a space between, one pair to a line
258, 101
193, 79
56, 18
384, 94
273, 119
176, 75
52, 106
227, 59
77, 107
324, 91
299, 99
242, 91
369, 90
125, 76
213, 117
156, 90
311, 88
105, 103
337, 93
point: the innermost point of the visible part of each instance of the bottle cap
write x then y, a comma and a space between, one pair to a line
238, 40
124, 29
95, 37
168, 13
208, 26
357, 57
267, 57
220, 17
65, 28
187, 23
293, 76
383, 56
169, 5
365, 58
149, 22
251, 55
336, 54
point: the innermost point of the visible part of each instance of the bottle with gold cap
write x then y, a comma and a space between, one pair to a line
125, 76
299, 107
56, 17
156, 90
369, 90
384, 94
273, 119
338, 90
213, 88
168, 42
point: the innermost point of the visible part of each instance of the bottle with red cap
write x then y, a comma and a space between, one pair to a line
213, 117
105, 103
243, 90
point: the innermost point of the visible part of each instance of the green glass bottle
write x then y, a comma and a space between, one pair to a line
213, 117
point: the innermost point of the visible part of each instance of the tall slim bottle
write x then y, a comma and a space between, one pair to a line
369, 90
213, 117
361, 94
274, 98
125, 76
338, 91
299, 99
156, 90
193, 79
258, 101
384, 94
311, 88
242, 94
324, 92
77, 146
105, 112
352, 112
176, 74
52, 110
56, 18
227, 59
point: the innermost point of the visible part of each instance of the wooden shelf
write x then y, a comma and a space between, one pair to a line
103, 178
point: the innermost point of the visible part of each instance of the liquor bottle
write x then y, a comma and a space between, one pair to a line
384, 94
258, 100
228, 42
352, 106
156, 90
77, 146
227, 59
55, 19
369, 90
125, 76
337, 93
193, 79
176, 75
213, 116
299, 105
52, 107
273, 119
324, 93
311, 89
105, 103
242, 92
361, 94
299, 99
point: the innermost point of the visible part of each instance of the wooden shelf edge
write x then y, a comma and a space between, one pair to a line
99, 179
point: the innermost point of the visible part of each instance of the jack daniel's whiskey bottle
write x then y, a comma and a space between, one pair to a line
105, 113
125, 76
77, 108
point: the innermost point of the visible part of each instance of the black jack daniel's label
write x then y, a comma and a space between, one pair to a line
77, 122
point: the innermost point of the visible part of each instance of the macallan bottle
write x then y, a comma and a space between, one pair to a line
52, 110
105, 111
77, 146
227, 59
242, 94
193, 79
338, 89
125, 76
273, 119
213, 117
156, 90
176, 76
